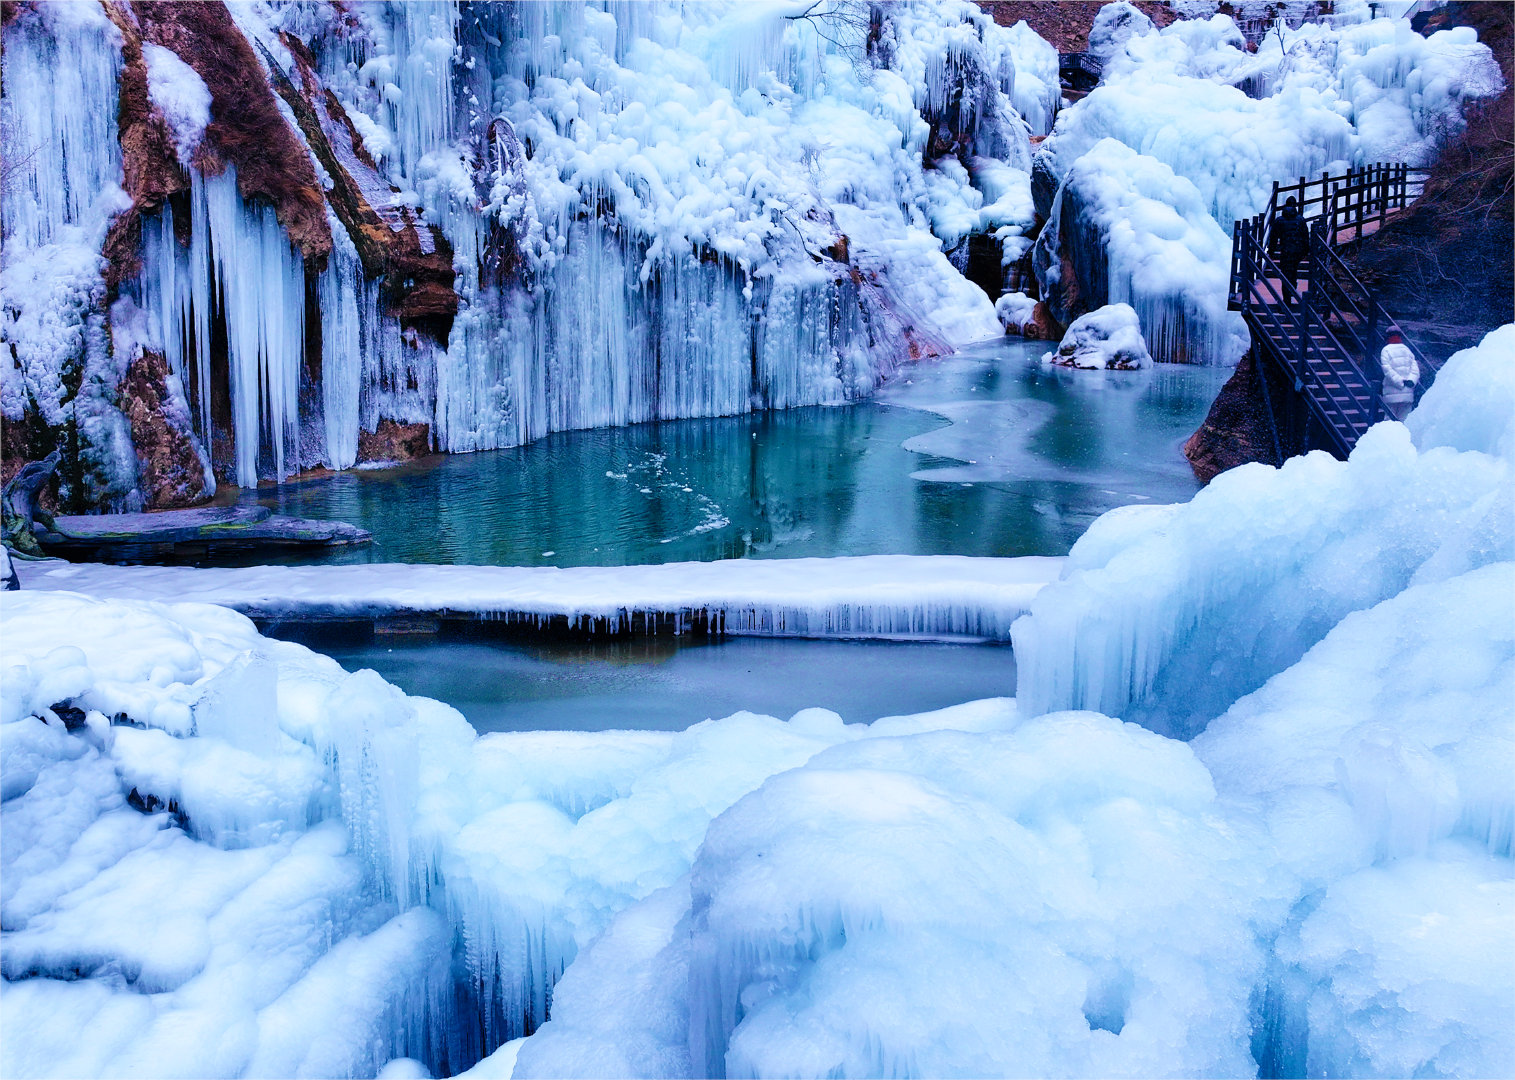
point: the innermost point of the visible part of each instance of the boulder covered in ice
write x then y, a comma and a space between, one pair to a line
1108, 338
1115, 25
1124, 228
1015, 311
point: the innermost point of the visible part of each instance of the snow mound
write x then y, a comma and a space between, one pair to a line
1168, 614
1108, 338
1014, 310
938, 904
1115, 25
1471, 405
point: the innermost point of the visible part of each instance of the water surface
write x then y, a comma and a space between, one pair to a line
983, 453
668, 684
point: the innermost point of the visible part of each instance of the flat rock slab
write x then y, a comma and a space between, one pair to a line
201, 531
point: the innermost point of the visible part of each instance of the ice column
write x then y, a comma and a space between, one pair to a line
239, 265
63, 160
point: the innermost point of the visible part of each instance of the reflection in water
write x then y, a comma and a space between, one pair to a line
668, 685
1030, 457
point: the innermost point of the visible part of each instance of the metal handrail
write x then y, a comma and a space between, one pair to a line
1334, 206
1375, 315
1254, 266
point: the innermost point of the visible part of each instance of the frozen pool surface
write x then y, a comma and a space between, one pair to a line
667, 685
983, 453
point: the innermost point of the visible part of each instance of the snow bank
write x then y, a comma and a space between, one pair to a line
1108, 338
1167, 614
861, 596
193, 901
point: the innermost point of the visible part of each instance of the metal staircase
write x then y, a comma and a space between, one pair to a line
1321, 338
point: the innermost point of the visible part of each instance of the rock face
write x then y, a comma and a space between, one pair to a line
1237, 430
1065, 282
246, 128
150, 167
393, 243
394, 442
171, 465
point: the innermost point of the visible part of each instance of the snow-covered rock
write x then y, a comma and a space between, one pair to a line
1110, 337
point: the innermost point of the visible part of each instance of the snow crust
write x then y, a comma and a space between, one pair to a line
180, 95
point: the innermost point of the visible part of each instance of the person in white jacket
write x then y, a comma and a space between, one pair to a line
1401, 374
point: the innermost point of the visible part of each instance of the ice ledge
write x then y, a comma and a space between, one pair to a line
871, 596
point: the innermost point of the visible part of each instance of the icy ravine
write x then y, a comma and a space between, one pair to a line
652, 212
315, 869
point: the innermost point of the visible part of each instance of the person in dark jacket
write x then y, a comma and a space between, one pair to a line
1290, 239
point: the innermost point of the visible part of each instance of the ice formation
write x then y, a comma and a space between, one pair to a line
1206, 127
1140, 235
229, 857
62, 187
884, 596
651, 214
1164, 612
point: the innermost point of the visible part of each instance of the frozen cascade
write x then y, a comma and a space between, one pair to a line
1143, 236
598, 346
63, 160
420, 97
239, 265
349, 317
1167, 613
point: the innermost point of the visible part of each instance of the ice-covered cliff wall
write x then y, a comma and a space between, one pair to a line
1219, 123
493, 221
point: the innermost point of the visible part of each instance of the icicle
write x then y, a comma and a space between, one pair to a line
63, 159
343, 312
422, 102
240, 264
